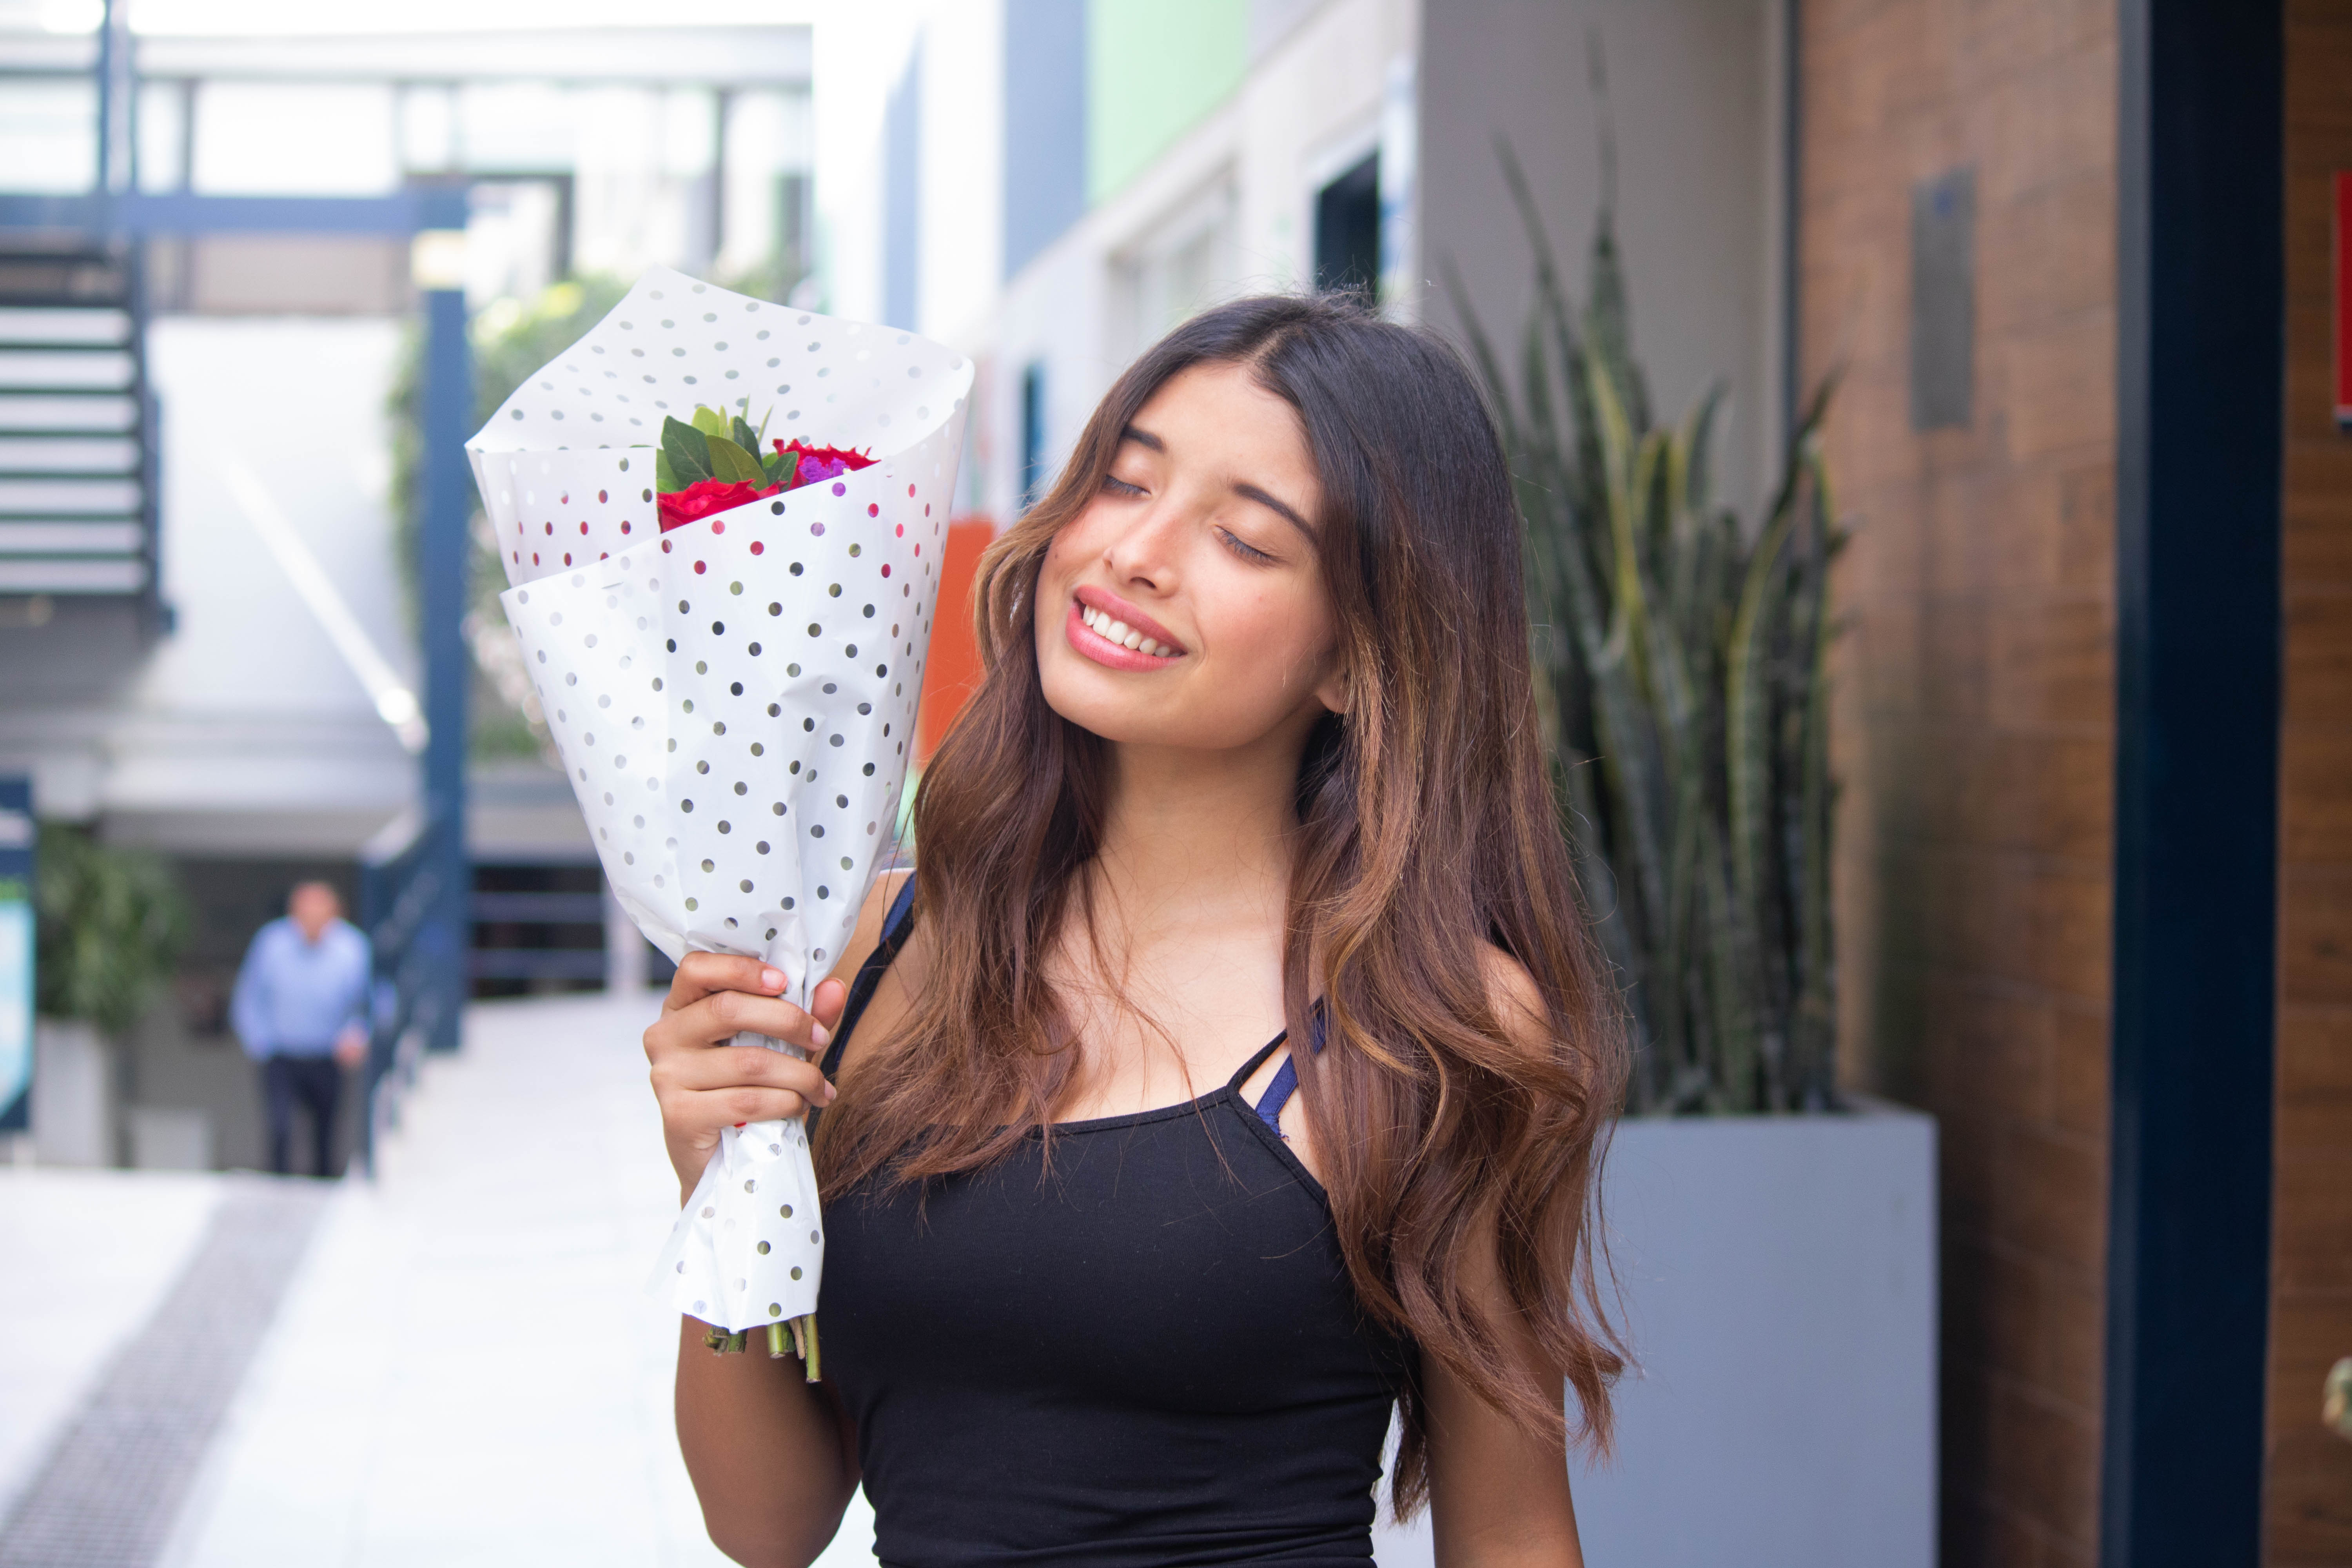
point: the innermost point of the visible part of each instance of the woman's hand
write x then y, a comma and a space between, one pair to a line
705, 1083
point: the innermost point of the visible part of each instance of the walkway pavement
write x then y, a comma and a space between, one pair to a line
465, 1367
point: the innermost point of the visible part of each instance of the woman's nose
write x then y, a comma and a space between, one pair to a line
1144, 552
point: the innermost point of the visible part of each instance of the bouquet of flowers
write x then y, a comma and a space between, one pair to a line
727, 629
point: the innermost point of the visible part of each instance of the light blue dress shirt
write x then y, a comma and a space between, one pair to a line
293, 996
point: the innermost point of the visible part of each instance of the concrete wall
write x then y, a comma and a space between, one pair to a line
2310, 1482
1249, 169
1976, 698
1693, 92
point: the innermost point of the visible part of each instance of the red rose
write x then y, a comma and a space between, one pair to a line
705, 496
823, 462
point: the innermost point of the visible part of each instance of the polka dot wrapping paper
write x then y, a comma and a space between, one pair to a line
733, 701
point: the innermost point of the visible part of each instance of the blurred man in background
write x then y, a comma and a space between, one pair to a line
300, 1008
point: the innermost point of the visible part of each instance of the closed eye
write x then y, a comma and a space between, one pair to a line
1118, 487
1249, 552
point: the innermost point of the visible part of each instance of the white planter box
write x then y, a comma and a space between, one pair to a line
73, 1094
1779, 1279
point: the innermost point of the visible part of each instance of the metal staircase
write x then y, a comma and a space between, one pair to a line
77, 426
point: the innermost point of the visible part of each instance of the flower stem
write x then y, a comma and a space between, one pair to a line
809, 1359
775, 1341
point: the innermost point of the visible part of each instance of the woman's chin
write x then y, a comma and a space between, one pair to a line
1112, 717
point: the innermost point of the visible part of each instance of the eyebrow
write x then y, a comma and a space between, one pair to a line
1272, 504
1145, 438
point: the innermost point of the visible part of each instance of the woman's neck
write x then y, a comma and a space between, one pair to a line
1187, 827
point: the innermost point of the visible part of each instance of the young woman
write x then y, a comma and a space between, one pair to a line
1255, 759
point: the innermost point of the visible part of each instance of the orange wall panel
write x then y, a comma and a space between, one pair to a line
951, 671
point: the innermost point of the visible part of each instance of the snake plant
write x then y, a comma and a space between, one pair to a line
1682, 684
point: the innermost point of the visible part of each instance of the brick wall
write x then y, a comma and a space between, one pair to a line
2310, 1476
1975, 698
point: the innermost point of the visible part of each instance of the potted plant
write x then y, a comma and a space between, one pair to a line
109, 924
1773, 1239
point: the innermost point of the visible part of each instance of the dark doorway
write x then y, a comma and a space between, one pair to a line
1348, 231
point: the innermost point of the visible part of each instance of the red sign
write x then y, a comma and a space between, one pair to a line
2343, 295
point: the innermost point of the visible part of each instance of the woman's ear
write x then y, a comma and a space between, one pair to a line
1332, 692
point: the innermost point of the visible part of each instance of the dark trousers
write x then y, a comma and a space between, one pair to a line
318, 1083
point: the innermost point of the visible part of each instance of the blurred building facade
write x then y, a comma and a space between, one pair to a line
208, 599
1978, 217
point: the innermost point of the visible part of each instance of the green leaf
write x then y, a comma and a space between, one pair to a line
665, 477
111, 924
743, 436
783, 468
688, 451
731, 463
1681, 665
709, 421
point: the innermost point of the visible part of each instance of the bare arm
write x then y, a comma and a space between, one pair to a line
1499, 1492
770, 1454
764, 1447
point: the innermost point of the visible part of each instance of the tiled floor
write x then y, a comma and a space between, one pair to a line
111, 1486
469, 1369
466, 1368
85, 1256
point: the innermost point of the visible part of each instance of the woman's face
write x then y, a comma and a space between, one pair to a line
1185, 606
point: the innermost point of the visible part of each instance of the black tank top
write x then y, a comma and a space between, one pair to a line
1148, 1354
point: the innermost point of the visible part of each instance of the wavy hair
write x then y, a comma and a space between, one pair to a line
1427, 829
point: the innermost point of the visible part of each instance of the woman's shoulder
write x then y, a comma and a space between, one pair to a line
871, 915
1513, 997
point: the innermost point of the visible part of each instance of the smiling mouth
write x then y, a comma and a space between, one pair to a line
1118, 631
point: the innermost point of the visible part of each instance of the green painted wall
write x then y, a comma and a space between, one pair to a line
1153, 68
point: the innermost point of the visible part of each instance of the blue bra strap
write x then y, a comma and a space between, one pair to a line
1277, 1094
1285, 1076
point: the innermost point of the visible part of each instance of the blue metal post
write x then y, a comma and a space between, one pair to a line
106, 73
2200, 362
448, 420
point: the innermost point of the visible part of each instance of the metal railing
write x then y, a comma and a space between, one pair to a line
400, 891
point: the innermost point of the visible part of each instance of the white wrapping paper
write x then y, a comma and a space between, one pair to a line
734, 700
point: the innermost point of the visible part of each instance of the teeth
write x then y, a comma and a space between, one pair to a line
1120, 632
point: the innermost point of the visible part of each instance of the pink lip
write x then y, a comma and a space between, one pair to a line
1119, 609
1093, 645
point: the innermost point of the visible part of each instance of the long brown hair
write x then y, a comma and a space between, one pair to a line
1427, 829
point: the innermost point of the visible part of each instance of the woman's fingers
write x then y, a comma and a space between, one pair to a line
731, 1067
829, 998
697, 1117
702, 1091
723, 1015
701, 974
704, 1082
718, 1017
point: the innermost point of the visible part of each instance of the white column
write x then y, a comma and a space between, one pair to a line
625, 950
